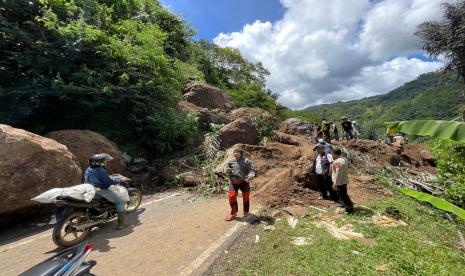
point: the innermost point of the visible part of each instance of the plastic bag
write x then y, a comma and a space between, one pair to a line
121, 191
85, 192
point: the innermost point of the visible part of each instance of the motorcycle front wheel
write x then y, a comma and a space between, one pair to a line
64, 233
135, 199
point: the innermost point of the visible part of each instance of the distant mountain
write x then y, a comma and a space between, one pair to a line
431, 96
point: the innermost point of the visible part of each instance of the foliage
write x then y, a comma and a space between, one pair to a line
226, 68
446, 38
435, 201
266, 126
212, 142
440, 129
450, 160
253, 95
108, 66
431, 96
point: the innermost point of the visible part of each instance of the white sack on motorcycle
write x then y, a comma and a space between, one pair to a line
84, 192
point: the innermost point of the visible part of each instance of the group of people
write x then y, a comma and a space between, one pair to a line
331, 170
329, 166
328, 130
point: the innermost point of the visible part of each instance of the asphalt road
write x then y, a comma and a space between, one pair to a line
170, 234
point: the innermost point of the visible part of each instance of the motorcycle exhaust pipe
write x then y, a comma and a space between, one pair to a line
90, 224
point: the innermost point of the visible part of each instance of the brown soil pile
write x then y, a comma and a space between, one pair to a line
283, 170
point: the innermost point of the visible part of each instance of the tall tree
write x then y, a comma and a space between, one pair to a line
447, 38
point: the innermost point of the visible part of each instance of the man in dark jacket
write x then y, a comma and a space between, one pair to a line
322, 170
348, 128
240, 172
98, 176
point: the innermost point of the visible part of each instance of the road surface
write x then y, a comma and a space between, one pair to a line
170, 234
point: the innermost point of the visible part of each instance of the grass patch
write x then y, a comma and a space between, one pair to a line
427, 246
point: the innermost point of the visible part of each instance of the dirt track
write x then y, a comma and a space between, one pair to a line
169, 235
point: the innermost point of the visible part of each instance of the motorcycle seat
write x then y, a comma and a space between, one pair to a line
96, 198
68, 198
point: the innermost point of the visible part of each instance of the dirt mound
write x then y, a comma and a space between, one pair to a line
417, 155
207, 96
85, 143
283, 170
378, 154
30, 165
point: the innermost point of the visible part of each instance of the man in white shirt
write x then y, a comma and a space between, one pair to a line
322, 169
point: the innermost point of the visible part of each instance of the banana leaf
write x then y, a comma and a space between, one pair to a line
435, 201
442, 129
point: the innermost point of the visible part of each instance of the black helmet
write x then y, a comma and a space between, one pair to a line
98, 160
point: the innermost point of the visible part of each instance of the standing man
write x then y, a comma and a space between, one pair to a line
240, 172
356, 129
335, 131
326, 131
340, 177
347, 127
322, 169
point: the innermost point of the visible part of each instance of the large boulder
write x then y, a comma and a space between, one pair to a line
85, 143
248, 112
295, 126
207, 96
30, 165
427, 157
208, 117
239, 131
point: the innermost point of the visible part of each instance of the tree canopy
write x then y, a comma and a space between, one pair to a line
113, 66
447, 37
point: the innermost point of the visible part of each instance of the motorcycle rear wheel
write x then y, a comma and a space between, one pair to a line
135, 199
64, 228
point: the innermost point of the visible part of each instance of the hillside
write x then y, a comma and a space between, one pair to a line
430, 96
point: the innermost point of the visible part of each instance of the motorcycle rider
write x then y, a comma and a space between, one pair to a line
98, 176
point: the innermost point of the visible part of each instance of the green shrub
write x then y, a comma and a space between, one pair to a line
450, 159
266, 126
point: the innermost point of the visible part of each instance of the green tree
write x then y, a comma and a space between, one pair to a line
447, 37
109, 66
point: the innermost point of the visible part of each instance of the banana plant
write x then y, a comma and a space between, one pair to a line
435, 201
434, 128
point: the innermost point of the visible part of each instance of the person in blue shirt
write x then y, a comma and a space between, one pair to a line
97, 175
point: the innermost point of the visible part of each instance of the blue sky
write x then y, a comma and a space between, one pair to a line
320, 51
211, 17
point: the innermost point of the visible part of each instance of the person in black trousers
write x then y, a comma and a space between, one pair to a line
322, 169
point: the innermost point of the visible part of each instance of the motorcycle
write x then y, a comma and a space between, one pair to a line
76, 218
71, 261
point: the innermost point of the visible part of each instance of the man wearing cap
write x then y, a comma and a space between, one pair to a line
328, 148
322, 169
240, 172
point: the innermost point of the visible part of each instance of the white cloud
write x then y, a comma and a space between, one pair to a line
325, 51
